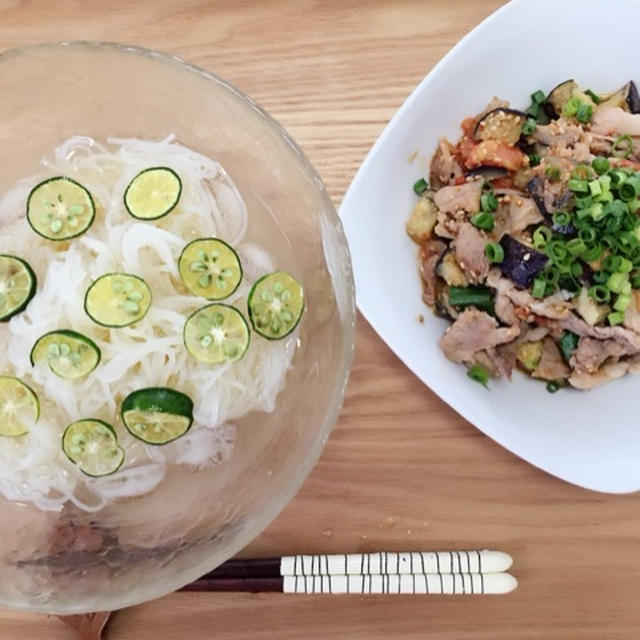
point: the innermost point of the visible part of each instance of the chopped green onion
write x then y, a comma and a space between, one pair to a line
534, 159
538, 97
616, 281
635, 281
618, 176
561, 218
592, 254
533, 111
552, 172
599, 293
626, 288
581, 186
605, 196
553, 386
479, 297
634, 206
479, 374
594, 96
570, 107
558, 252
483, 220
630, 189
616, 317
582, 172
420, 186
576, 269
622, 302
568, 344
539, 288
622, 146
587, 235
584, 113
487, 187
488, 201
529, 126
595, 187
576, 246
624, 266
541, 236
494, 252
601, 165
600, 276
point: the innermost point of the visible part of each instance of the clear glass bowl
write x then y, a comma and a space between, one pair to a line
142, 548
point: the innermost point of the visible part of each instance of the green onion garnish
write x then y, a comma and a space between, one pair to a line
581, 186
568, 344
616, 317
622, 302
488, 201
570, 107
616, 282
600, 165
420, 186
553, 386
552, 172
584, 113
539, 288
538, 97
534, 159
576, 246
594, 96
541, 236
622, 146
494, 252
483, 220
599, 293
479, 374
533, 112
529, 126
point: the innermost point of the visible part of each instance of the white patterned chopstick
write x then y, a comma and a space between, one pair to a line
427, 584
386, 563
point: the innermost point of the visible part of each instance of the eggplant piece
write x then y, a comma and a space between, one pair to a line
504, 125
558, 96
626, 98
487, 173
521, 264
450, 271
535, 187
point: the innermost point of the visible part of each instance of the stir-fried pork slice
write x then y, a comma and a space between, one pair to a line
572, 323
552, 365
464, 197
469, 251
445, 169
614, 121
556, 132
554, 306
609, 372
592, 353
516, 213
430, 253
472, 332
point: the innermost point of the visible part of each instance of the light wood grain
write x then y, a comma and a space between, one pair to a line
402, 470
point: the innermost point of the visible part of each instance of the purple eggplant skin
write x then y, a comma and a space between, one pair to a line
487, 173
501, 124
535, 187
521, 264
633, 98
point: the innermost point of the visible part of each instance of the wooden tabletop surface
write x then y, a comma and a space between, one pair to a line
401, 470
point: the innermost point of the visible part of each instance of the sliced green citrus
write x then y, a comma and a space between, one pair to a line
153, 193
216, 333
92, 445
210, 268
17, 286
69, 354
276, 303
157, 415
19, 407
60, 208
117, 300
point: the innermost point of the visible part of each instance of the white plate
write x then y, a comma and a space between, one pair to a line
590, 439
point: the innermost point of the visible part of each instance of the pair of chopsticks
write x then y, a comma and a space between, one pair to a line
419, 572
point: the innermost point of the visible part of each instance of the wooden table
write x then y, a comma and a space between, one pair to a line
395, 475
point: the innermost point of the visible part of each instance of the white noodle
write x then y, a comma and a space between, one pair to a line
151, 353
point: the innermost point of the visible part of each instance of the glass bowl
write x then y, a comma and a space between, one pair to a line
69, 561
